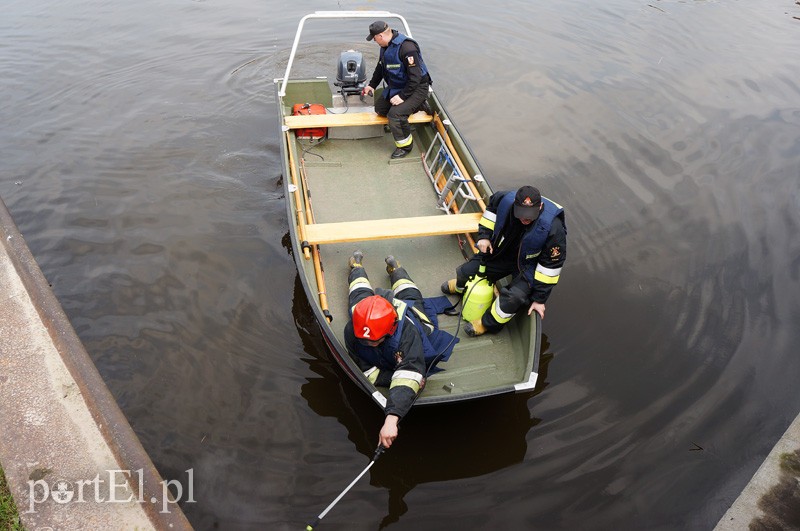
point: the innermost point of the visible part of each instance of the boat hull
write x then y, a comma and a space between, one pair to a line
349, 177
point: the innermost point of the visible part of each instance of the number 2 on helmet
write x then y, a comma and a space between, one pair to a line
366, 331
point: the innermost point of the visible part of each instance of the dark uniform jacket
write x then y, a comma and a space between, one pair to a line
399, 369
412, 62
541, 269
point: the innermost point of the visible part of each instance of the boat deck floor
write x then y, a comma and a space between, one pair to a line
345, 186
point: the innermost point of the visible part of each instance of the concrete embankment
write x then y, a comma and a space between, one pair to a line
770, 499
70, 457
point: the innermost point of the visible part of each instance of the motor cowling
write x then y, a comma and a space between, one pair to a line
351, 75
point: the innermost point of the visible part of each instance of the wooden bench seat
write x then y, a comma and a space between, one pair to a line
384, 229
347, 119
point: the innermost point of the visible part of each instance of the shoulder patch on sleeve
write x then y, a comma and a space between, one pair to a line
410, 60
555, 252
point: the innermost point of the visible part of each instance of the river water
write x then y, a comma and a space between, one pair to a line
140, 160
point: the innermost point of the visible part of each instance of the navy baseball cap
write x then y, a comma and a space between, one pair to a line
527, 202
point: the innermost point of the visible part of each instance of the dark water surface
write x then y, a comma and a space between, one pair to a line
140, 159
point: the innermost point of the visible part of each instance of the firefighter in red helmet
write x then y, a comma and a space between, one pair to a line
390, 337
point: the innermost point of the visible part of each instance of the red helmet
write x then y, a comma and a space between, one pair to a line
374, 318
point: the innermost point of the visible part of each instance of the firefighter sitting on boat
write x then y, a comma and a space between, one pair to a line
402, 68
521, 234
391, 338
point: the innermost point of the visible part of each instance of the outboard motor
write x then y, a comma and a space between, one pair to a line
352, 73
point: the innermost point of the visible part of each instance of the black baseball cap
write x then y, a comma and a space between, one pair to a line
375, 28
527, 202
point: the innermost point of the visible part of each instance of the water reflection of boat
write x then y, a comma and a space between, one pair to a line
421, 209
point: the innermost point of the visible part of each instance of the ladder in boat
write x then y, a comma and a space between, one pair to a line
446, 176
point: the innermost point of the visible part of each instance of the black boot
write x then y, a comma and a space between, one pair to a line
401, 152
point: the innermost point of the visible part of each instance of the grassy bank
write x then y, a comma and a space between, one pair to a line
9, 519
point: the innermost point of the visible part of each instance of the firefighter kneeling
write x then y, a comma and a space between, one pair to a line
521, 234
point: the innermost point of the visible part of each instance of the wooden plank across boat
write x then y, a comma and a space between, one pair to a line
381, 229
344, 193
352, 119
